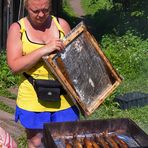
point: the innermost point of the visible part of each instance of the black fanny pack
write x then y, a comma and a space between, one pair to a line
46, 90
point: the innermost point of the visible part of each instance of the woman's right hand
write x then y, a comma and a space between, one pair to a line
54, 45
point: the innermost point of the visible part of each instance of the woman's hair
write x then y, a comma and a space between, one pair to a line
55, 6
26, 1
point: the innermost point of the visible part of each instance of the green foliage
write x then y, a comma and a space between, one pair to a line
123, 37
68, 14
67, 8
22, 142
94, 5
7, 79
127, 53
137, 13
117, 17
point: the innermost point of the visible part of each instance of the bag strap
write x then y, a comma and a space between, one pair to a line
29, 78
32, 81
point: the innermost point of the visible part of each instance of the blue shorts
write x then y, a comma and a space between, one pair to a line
36, 120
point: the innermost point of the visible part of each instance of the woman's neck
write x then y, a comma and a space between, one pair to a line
41, 27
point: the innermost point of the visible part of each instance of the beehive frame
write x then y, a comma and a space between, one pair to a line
84, 70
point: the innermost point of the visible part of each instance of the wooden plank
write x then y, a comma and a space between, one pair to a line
4, 23
84, 70
7, 15
0, 25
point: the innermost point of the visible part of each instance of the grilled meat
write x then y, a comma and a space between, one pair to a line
94, 144
120, 142
87, 143
77, 144
101, 141
68, 145
111, 142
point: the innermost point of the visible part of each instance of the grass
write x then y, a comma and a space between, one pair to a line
6, 108
6, 93
124, 41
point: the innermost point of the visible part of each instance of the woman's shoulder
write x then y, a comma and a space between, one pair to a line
15, 29
16, 25
62, 21
64, 24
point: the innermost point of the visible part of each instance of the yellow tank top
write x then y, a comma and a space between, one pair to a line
27, 98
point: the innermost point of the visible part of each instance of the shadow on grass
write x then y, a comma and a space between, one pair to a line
117, 20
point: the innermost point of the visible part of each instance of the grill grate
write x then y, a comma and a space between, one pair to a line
57, 135
111, 140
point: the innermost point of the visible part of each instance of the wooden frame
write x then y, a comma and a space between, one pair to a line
84, 70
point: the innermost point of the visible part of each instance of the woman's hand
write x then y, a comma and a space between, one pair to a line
54, 45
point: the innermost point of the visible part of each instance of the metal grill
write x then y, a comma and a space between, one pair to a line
59, 135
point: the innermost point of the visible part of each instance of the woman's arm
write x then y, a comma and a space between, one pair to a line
15, 58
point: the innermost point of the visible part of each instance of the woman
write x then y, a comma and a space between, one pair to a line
32, 37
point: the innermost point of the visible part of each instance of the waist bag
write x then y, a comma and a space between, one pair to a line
46, 90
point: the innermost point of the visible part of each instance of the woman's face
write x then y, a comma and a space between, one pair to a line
38, 11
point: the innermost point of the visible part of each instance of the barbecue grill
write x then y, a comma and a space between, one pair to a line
56, 134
